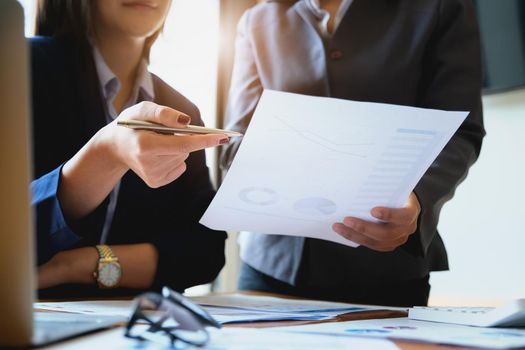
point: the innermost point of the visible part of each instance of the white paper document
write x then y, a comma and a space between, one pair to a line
227, 315
91, 307
265, 339
225, 309
307, 162
236, 308
278, 305
430, 332
228, 339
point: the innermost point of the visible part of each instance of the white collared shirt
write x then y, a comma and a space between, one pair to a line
110, 86
324, 16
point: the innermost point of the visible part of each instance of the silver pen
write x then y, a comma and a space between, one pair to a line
162, 129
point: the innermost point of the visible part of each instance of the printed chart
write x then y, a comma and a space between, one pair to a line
307, 162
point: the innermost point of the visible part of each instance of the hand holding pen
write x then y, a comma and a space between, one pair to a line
158, 159
92, 173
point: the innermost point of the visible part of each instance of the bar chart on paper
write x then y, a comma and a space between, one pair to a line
307, 162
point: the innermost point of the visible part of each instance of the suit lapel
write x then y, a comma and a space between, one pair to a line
92, 111
306, 14
314, 37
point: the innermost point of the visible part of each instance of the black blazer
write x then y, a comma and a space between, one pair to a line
68, 109
422, 53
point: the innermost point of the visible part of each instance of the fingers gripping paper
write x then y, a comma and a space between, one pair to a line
307, 162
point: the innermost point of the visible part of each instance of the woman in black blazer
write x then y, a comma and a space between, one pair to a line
89, 68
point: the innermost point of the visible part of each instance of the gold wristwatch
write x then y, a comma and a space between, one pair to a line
108, 270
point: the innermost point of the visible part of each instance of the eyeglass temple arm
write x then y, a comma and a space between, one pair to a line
190, 306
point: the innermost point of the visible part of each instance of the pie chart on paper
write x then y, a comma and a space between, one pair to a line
316, 206
258, 195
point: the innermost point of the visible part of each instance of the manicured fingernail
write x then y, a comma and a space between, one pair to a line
224, 141
184, 119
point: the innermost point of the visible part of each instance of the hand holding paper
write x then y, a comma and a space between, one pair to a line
366, 155
396, 226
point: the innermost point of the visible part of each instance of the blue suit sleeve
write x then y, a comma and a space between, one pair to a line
53, 233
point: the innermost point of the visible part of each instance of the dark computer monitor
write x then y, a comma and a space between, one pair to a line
502, 30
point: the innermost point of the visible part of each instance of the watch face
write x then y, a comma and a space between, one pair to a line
109, 274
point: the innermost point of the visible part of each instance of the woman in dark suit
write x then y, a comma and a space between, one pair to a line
117, 209
417, 53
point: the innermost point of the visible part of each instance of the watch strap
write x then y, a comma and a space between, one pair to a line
105, 253
106, 256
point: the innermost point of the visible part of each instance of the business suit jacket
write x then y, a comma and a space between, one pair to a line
68, 109
421, 53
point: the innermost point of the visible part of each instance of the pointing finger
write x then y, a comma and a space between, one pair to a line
171, 145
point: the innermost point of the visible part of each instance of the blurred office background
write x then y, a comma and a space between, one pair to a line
482, 226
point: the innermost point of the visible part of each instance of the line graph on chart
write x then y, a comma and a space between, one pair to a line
337, 141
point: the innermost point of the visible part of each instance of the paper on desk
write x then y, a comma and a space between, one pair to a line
123, 308
236, 308
431, 332
307, 162
262, 339
92, 307
228, 339
229, 315
280, 305
224, 315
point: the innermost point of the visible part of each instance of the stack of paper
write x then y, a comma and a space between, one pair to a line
234, 308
